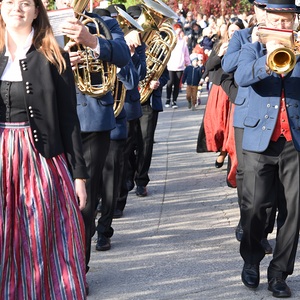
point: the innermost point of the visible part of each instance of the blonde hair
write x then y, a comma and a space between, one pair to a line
43, 39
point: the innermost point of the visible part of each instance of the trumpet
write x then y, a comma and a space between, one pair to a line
283, 59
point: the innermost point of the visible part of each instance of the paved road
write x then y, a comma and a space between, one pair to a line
178, 243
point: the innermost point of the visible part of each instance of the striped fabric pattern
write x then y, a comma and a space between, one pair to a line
41, 228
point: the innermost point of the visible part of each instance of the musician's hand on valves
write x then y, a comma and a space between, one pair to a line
154, 84
78, 32
75, 59
223, 49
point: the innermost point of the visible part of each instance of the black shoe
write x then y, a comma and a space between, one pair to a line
268, 249
250, 276
103, 243
118, 213
279, 288
219, 165
130, 185
239, 232
168, 103
141, 191
174, 105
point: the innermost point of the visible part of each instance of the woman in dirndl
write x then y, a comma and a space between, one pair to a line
42, 170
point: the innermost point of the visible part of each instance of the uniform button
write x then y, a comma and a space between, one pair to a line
34, 131
266, 116
29, 107
263, 128
283, 99
27, 87
35, 136
27, 83
268, 105
276, 106
283, 120
28, 92
31, 115
36, 140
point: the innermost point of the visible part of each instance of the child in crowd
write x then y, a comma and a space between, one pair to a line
202, 69
192, 75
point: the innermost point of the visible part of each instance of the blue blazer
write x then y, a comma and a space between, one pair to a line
96, 114
264, 98
155, 97
229, 65
132, 103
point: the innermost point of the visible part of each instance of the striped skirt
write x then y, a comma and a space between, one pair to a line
41, 228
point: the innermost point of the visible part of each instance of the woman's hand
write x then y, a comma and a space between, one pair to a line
81, 192
223, 49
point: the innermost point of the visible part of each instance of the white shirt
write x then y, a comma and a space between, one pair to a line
12, 70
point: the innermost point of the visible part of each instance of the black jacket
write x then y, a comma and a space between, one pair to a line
50, 102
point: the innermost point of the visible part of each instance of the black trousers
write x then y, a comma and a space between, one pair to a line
173, 84
95, 149
130, 147
145, 140
112, 171
278, 193
261, 171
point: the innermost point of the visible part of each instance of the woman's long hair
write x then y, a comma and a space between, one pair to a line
43, 39
236, 21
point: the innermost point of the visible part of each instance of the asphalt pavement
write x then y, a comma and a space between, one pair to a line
178, 243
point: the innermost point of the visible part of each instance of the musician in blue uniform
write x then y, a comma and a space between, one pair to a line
271, 145
95, 113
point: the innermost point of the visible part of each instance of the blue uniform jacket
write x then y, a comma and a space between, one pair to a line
96, 114
132, 102
155, 97
229, 65
265, 96
129, 77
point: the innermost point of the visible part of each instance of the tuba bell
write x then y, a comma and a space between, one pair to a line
160, 43
283, 59
92, 76
128, 25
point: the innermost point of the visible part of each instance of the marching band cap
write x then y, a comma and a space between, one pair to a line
113, 11
101, 12
259, 2
134, 11
282, 6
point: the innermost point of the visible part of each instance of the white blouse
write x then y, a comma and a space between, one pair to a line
12, 70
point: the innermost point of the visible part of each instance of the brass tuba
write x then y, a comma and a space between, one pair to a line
127, 24
160, 42
93, 76
281, 60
